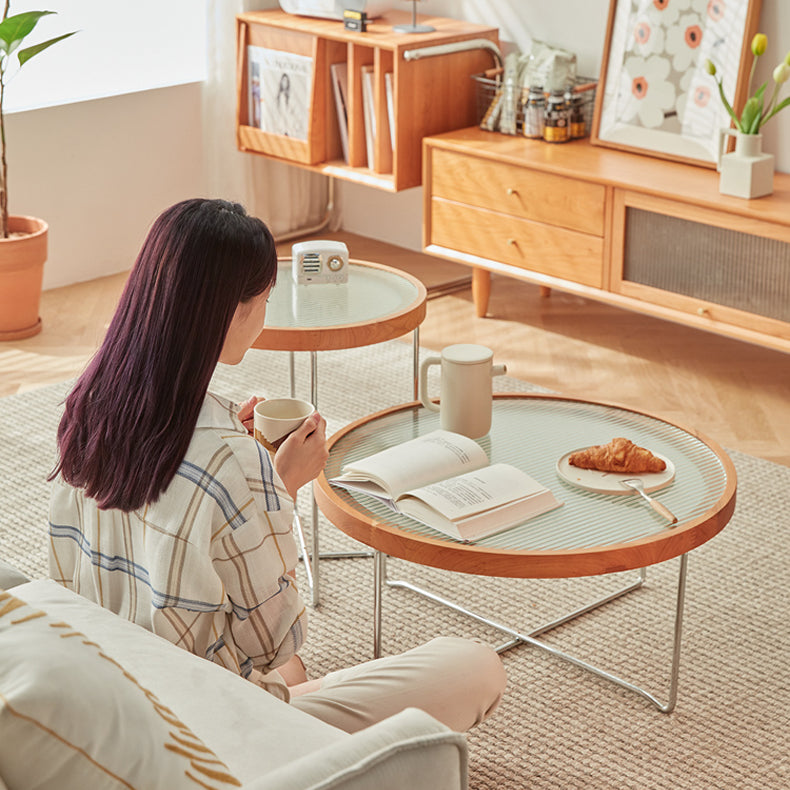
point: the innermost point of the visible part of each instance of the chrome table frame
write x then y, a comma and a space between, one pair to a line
592, 535
520, 638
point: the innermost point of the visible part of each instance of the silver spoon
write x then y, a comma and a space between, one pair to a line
636, 484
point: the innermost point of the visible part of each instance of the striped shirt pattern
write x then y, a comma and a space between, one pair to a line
207, 565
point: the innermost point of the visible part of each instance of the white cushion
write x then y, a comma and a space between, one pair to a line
252, 731
10, 577
71, 716
408, 750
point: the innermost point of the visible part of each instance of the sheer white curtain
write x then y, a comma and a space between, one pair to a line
286, 197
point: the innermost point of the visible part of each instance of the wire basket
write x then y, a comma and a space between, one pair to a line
490, 88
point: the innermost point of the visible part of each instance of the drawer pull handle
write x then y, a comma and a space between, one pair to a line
512, 191
703, 311
512, 242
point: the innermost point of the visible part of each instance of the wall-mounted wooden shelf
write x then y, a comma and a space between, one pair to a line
430, 94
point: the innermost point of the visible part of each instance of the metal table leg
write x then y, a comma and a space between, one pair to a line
416, 362
379, 577
315, 556
517, 637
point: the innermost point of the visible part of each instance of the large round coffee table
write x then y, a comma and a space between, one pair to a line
591, 534
378, 303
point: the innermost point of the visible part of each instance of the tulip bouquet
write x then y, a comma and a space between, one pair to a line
756, 112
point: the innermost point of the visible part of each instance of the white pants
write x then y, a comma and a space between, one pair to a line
457, 681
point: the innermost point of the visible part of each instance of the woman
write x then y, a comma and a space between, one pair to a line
168, 512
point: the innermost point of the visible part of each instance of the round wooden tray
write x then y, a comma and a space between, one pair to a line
591, 534
378, 303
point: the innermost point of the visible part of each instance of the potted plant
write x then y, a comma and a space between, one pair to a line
23, 240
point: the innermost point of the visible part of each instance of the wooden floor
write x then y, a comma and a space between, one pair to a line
733, 392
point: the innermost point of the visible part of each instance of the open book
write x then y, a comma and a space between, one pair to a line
444, 480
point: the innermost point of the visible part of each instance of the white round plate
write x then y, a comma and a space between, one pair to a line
609, 482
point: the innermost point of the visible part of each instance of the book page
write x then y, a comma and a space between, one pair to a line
477, 491
417, 462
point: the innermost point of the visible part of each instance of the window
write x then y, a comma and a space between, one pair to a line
121, 47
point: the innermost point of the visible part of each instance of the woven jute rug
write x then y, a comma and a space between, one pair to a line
558, 726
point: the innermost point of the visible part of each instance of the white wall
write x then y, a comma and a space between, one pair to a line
577, 25
101, 171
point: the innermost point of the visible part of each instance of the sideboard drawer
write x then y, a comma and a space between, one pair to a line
535, 246
529, 194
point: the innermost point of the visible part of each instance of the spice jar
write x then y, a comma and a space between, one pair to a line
533, 113
578, 123
556, 118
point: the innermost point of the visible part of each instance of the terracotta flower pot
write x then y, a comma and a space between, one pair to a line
22, 258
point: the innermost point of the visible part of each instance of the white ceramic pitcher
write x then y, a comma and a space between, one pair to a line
465, 391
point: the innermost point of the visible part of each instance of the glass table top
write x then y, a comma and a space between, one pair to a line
532, 434
370, 294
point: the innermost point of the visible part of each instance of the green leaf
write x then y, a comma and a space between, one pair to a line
14, 29
782, 104
760, 91
29, 52
728, 108
751, 113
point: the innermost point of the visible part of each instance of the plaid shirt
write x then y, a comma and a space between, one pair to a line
206, 565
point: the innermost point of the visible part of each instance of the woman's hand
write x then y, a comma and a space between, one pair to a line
301, 457
246, 413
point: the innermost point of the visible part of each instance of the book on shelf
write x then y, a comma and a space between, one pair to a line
254, 108
444, 480
279, 94
369, 114
390, 91
339, 73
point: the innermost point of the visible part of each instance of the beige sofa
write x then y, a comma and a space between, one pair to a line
88, 699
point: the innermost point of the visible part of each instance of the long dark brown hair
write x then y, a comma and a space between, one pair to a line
129, 419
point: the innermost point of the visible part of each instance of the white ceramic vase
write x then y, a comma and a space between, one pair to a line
747, 172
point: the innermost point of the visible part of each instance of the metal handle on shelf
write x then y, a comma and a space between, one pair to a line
458, 46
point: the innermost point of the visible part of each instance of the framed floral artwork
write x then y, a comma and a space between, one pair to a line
655, 95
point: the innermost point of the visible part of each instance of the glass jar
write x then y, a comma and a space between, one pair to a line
578, 123
534, 110
556, 118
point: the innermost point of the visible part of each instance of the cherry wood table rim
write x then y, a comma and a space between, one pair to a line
565, 563
340, 336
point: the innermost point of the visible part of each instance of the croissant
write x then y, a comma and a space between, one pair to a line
620, 455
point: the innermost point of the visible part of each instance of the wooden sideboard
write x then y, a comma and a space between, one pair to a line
631, 230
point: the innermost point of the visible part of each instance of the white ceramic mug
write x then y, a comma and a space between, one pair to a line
275, 419
465, 391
